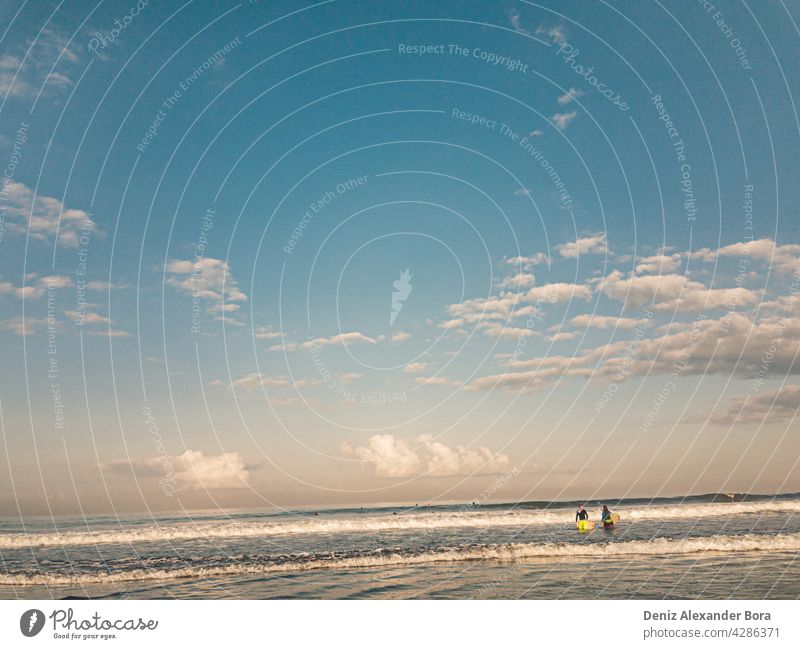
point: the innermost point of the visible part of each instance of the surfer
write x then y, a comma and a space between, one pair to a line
605, 518
581, 514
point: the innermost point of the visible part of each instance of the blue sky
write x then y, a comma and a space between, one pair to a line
208, 211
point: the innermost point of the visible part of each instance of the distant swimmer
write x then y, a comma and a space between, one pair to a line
582, 514
605, 518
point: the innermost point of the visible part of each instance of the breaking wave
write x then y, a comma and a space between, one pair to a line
172, 568
381, 523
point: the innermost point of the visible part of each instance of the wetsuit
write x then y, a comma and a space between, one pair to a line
582, 515
607, 520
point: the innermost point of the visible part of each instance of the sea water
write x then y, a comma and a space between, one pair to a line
714, 546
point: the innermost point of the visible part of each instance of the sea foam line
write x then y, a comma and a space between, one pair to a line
382, 523
506, 552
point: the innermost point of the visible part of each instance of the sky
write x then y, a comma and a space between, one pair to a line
301, 254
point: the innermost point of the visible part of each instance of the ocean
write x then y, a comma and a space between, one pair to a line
712, 546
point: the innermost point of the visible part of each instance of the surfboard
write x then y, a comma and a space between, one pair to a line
584, 526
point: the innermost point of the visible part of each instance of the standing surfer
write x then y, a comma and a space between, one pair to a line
581, 514
605, 518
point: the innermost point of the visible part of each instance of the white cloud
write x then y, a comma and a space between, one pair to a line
24, 79
505, 332
87, 317
563, 120
767, 407
532, 260
348, 338
400, 336
192, 469
732, 344
45, 217
556, 34
660, 264
784, 258
535, 133
349, 377
434, 380
415, 368
209, 279
36, 287
558, 292
673, 293
603, 322
26, 326
520, 280
393, 457
570, 95
594, 244
266, 333
561, 336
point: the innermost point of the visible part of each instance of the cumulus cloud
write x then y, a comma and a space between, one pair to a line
532, 260
400, 336
43, 64
191, 470
266, 333
36, 287
27, 326
435, 380
603, 321
45, 217
594, 244
347, 338
393, 457
783, 258
733, 344
570, 95
556, 34
766, 407
209, 279
415, 368
520, 280
673, 293
660, 264
558, 292
562, 336
563, 120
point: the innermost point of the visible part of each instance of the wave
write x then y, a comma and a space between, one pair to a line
366, 524
176, 568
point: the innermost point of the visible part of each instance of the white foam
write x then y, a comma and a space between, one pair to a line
508, 552
383, 523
